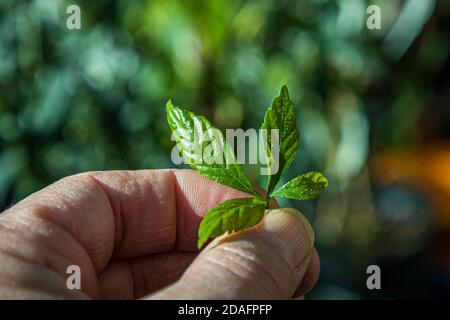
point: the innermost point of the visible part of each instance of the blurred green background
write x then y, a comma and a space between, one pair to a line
372, 106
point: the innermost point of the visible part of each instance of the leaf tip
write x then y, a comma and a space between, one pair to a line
169, 105
284, 91
320, 178
325, 182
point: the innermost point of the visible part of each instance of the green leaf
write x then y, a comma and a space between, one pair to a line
280, 116
304, 187
232, 215
205, 149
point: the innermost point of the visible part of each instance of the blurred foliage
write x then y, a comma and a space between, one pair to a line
92, 99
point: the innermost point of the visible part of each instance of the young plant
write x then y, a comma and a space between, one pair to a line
195, 135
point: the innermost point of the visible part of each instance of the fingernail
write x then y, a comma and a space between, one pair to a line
289, 233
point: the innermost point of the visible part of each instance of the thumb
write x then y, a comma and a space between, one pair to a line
268, 261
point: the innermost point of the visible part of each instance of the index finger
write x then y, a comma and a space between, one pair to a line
127, 213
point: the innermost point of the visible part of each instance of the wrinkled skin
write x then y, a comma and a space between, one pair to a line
133, 234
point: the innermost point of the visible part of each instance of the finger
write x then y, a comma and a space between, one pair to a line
136, 277
268, 261
91, 217
132, 213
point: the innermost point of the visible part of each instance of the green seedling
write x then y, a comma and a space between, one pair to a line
195, 135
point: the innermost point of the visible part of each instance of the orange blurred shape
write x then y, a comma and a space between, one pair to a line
425, 169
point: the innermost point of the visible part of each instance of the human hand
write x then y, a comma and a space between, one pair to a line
133, 233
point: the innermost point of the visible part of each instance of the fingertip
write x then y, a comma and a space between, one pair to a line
268, 261
289, 233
